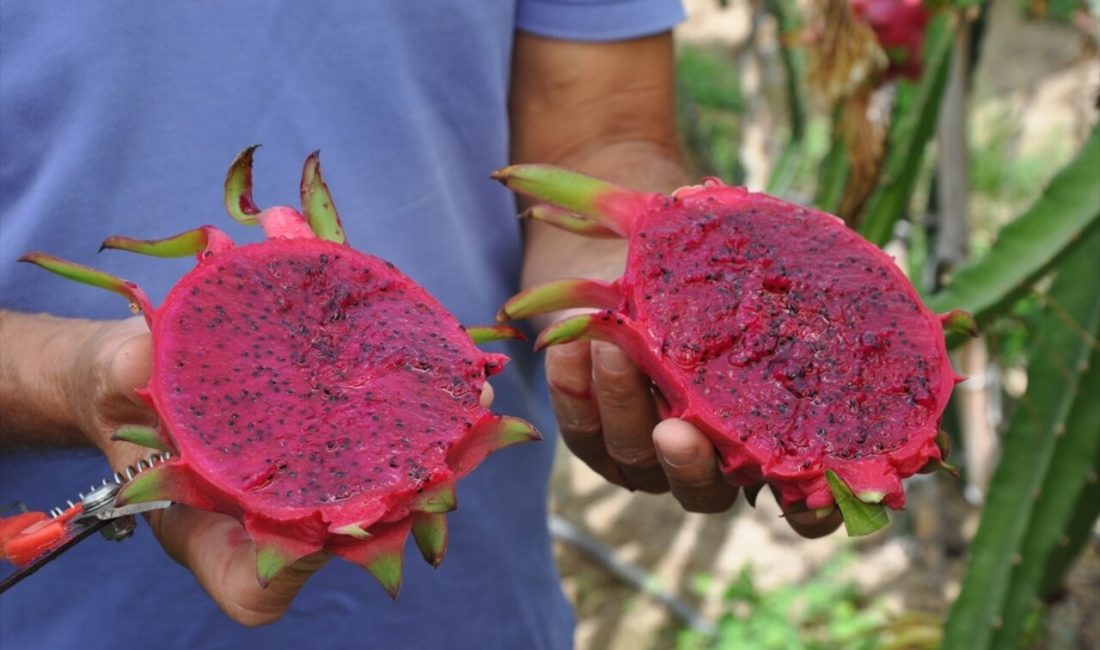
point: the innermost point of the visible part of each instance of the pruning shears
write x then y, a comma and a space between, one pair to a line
31, 539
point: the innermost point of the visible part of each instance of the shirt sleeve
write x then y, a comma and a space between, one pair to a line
597, 20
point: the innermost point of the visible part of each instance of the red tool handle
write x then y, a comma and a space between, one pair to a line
27, 535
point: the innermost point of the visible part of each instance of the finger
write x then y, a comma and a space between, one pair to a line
691, 465
569, 375
487, 395
808, 523
811, 524
132, 365
217, 551
627, 415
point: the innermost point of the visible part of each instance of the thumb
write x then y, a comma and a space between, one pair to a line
132, 366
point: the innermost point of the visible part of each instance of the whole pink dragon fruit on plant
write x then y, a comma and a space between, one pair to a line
899, 27
797, 347
311, 391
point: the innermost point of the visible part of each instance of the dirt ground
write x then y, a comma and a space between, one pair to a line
1050, 86
675, 547
914, 567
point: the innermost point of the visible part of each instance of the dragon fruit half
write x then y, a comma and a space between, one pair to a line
311, 391
797, 347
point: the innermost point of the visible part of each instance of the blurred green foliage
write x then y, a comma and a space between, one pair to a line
824, 613
1059, 10
710, 80
711, 112
1003, 179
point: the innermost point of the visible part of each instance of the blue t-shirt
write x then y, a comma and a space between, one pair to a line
122, 117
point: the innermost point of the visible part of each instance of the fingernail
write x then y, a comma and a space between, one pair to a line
612, 359
568, 350
680, 457
567, 415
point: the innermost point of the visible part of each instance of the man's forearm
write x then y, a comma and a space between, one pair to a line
35, 351
606, 110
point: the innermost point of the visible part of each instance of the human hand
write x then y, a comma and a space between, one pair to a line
607, 415
111, 363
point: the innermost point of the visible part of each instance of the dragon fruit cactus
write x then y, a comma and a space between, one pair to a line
313, 392
899, 27
798, 348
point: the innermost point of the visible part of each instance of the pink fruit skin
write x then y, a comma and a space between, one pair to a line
899, 26
794, 344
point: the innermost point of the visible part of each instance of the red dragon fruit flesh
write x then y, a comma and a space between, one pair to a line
797, 347
309, 390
